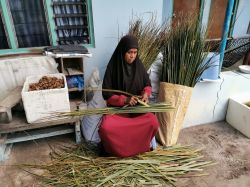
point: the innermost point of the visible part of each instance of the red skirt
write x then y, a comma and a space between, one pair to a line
123, 136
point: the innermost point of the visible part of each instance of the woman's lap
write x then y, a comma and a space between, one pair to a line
125, 136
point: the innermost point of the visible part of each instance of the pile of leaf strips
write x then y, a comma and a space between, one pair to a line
80, 166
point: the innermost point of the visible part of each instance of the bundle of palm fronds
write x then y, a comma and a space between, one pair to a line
156, 107
150, 37
81, 167
184, 52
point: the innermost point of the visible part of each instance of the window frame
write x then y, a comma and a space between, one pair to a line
11, 36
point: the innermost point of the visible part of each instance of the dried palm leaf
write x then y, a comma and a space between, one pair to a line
150, 37
81, 167
156, 107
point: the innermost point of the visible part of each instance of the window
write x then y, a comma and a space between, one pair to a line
3, 39
71, 21
29, 24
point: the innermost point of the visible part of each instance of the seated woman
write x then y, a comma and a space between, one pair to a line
127, 135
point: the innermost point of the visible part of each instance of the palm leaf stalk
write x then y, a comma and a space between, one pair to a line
184, 53
150, 37
138, 109
118, 91
156, 107
79, 166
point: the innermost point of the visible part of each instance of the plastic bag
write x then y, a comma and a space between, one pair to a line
93, 83
75, 81
90, 124
154, 76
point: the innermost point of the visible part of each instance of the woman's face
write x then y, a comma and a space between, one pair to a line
130, 55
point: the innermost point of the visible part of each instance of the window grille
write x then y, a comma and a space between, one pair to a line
27, 26
71, 20
3, 39
29, 23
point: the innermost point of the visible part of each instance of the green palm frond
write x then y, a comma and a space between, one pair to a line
184, 52
156, 107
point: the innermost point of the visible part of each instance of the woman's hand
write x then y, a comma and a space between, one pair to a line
144, 97
131, 101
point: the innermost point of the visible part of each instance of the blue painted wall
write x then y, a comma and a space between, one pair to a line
111, 21
242, 19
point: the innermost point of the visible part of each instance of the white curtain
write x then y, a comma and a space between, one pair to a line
13, 71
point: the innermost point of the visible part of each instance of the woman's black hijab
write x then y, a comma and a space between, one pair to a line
122, 76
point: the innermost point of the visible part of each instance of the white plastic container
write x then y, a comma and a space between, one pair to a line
238, 113
39, 104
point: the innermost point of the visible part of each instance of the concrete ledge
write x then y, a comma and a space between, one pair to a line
209, 100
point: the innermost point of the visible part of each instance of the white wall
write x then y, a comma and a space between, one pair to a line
242, 19
111, 20
209, 99
110, 25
